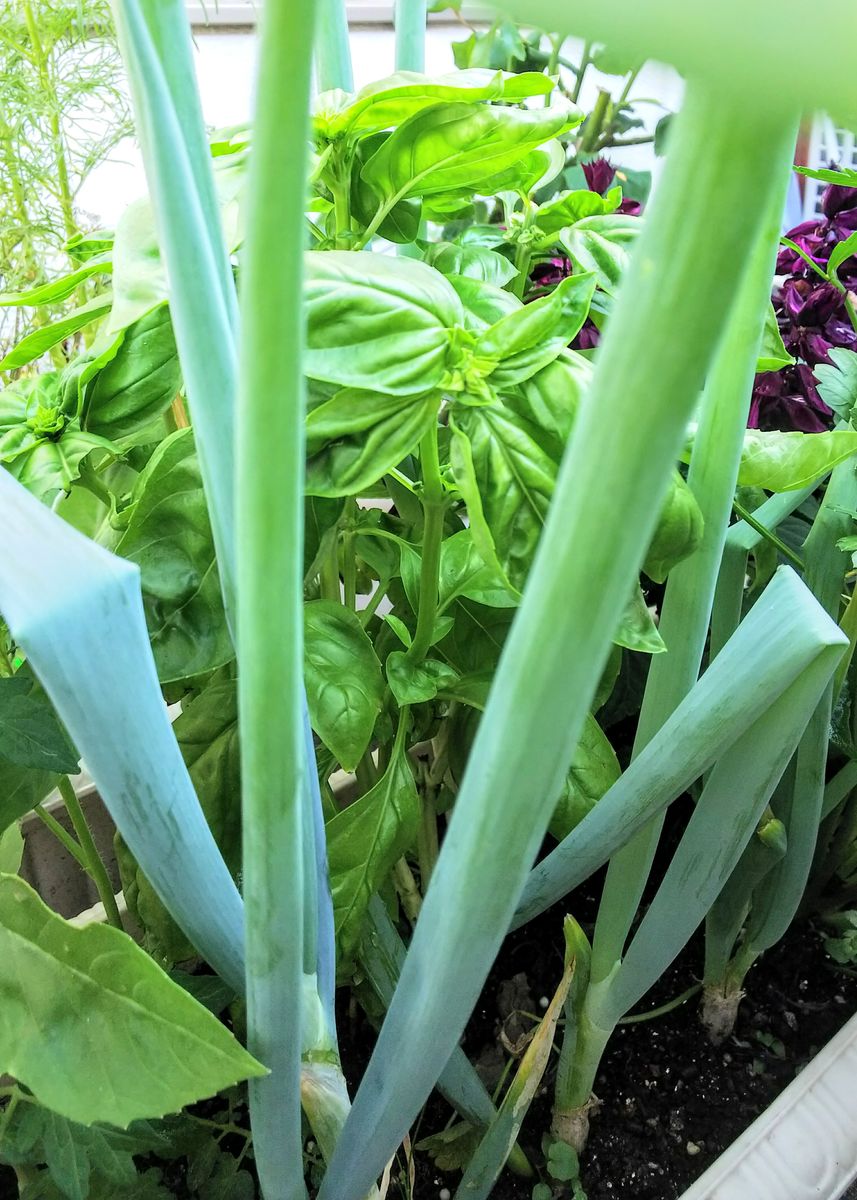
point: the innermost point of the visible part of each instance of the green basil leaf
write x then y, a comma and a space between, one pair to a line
402, 223
11, 849
140, 381
773, 355
375, 322
414, 683
354, 438
463, 572
523, 342
474, 643
49, 462
506, 475
550, 398
594, 769
392, 100
782, 462
30, 732
21, 789
45, 337
363, 843
841, 253
484, 304
473, 262
400, 629
637, 629
345, 687
570, 207
169, 537
837, 384
601, 244
678, 533
452, 146
104, 1000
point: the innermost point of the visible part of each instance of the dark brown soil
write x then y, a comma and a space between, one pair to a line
671, 1102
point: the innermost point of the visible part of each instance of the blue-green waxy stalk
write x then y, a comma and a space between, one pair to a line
77, 611
657, 349
409, 18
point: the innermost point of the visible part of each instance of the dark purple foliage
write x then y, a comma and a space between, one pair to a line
812, 319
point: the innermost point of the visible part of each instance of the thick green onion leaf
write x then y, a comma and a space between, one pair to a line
77, 612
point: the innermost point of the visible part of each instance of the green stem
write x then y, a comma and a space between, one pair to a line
407, 888
349, 569
768, 535
62, 835
94, 866
585, 61
434, 505
366, 614
523, 254
663, 1009
427, 841
330, 586
594, 123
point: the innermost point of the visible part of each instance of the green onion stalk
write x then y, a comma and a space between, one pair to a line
773, 899
157, 50
685, 615
661, 338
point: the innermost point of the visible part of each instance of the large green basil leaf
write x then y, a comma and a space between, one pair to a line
452, 146
474, 262
601, 244
377, 322
364, 841
207, 734
169, 537
139, 382
464, 573
37, 343
390, 101
523, 342
773, 355
354, 438
21, 789
782, 462
506, 473
415, 683
474, 643
344, 683
41, 445
30, 732
104, 1001
505, 467
551, 398
402, 223
569, 207
594, 769
484, 303
678, 533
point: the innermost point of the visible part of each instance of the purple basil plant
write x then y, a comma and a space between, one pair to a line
812, 319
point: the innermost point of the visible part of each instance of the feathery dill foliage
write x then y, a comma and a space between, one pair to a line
63, 109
